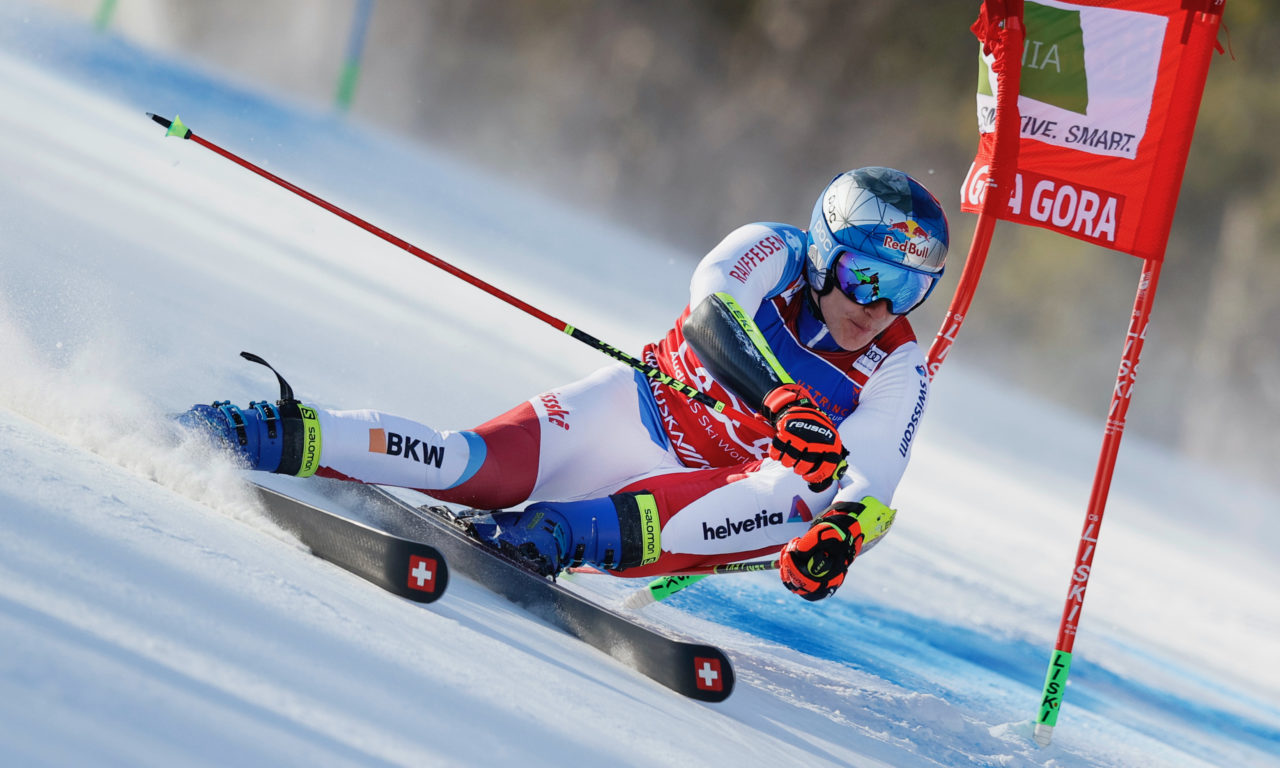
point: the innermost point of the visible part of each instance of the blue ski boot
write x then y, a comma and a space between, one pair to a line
614, 533
283, 438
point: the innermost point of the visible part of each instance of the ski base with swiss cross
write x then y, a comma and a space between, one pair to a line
696, 670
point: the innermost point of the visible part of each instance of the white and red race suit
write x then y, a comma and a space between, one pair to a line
720, 499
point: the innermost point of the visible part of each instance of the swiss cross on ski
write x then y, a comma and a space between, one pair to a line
707, 672
422, 573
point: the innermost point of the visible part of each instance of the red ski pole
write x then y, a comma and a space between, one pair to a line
751, 421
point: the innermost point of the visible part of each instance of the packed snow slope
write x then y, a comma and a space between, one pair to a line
149, 615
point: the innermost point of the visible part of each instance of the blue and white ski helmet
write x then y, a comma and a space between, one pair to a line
880, 213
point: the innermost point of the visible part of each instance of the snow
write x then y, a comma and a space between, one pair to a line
150, 615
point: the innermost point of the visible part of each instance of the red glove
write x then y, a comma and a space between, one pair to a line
814, 565
806, 440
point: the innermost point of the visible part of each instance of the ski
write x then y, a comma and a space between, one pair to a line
699, 671
410, 569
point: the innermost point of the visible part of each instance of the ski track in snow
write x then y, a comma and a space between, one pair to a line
149, 614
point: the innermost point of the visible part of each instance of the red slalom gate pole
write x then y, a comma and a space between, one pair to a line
965, 291
1005, 30
751, 421
1060, 662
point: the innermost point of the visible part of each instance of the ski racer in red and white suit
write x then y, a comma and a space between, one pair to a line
689, 487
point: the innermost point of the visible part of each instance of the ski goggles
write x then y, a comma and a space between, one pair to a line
866, 279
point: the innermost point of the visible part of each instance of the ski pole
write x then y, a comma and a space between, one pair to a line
701, 570
751, 421
660, 589
665, 586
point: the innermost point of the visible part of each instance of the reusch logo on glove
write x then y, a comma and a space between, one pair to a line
392, 444
812, 426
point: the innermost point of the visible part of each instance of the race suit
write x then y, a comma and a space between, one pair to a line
720, 499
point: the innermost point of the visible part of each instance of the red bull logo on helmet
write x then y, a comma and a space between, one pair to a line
915, 239
910, 228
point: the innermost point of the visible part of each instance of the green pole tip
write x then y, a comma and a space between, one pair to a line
178, 129
175, 126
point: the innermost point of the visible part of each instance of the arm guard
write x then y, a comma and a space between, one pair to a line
732, 348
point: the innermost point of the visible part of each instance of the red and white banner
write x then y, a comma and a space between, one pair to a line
1106, 107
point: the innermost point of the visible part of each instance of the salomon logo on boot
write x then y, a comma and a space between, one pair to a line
282, 438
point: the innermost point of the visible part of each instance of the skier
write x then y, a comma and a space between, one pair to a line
806, 328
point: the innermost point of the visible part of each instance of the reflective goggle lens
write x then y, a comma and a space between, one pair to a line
866, 279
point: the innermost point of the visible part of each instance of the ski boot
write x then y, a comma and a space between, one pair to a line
614, 533
283, 438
